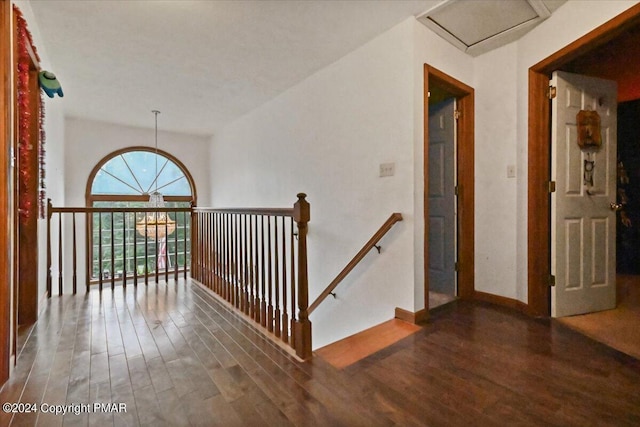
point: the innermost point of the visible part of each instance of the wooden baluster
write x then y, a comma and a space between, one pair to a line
227, 261
222, 255
236, 261
212, 250
192, 239
239, 265
219, 264
263, 302
60, 253
49, 278
276, 275
303, 325
252, 306
146, 250
75, 254
245, 266
195, 245
205, 249
135, 251
113, 256
175, 249
270, 278
240, 281
232, 257
100, 251
216, 232
155, 245
204, 245
213, 245
164, 249
285, 316
220, 246
88, 253
230, 277
256, 271
124, 249
293, 286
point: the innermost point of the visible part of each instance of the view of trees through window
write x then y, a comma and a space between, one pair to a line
131, 252
119, 243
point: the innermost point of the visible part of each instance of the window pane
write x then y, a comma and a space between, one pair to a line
134, 173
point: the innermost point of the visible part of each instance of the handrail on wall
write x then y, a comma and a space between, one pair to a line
395, 217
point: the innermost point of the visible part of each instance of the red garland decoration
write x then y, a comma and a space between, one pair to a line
24, 114
41, 160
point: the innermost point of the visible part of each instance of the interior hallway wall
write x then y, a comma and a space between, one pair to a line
327, 137
54, 145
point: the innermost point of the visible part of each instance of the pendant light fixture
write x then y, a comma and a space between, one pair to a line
156, 225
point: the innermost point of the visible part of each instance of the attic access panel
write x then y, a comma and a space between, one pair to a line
476, 26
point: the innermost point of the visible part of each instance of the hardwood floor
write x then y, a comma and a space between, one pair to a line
617, 328
177, 357
349, 350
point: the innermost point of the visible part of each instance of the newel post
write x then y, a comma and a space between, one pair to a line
49, 215
301, 215
194, 244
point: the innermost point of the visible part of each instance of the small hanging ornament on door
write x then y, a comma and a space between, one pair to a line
589, 141
589, 135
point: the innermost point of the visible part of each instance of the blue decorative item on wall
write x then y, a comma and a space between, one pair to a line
50, 84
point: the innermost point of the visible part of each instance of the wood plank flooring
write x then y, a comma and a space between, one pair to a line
617, 328
176, 357
358, 346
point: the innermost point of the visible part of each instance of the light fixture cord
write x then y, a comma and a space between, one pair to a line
156, 112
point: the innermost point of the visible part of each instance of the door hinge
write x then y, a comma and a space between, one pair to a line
552, 92
456, 190
456, 267
552, 186
456, 114
552, 280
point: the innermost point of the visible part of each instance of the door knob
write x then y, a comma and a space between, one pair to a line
616, 206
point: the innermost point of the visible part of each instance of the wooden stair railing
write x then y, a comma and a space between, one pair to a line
256, 261
395, 217
115, 250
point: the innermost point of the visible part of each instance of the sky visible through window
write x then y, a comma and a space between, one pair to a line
134, 173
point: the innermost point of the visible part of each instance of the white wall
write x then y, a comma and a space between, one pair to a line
88, 142
501, 83
54, 142
326, 137
495, 194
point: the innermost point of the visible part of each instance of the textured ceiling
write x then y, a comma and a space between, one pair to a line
202, 63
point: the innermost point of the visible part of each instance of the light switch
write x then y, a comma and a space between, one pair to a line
387, 169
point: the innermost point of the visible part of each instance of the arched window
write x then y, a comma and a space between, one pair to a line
125, 179
131, 175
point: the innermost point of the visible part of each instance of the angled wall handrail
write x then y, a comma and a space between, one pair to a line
395, 217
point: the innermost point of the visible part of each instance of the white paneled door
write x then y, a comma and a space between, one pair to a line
583, 221
442, 198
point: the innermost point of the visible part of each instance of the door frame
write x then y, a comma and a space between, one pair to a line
464, 95
539, 170
6, 189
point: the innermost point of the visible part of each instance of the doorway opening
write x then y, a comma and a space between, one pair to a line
448, 188
602, 53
